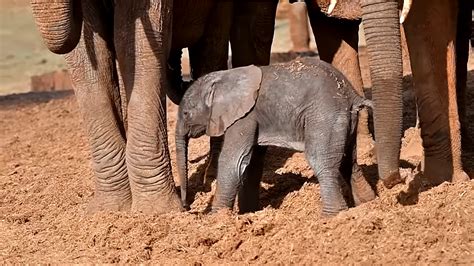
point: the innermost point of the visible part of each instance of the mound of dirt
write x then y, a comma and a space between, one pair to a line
46, 182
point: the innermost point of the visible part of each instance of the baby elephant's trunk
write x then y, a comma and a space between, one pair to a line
182, 141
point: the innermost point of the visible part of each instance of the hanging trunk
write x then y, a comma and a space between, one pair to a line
59, 23
382, 31
182, 141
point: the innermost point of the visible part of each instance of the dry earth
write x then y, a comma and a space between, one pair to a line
46, 182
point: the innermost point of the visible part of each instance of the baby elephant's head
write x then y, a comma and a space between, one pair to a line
194, 111
212, 104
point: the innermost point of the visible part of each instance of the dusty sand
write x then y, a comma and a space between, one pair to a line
46, 182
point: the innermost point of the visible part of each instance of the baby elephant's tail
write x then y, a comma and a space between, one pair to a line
361, 102
358, 104
367, 103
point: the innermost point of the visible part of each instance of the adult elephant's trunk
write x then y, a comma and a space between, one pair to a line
382, 31
59, 22
182, 141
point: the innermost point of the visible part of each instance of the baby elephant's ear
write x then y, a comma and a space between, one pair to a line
235, 92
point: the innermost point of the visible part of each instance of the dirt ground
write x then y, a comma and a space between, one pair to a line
22, 52
46, 183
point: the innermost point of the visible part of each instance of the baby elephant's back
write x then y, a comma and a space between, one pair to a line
305, 81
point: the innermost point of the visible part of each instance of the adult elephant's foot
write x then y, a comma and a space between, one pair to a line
460, 176
155, 202
438, 171
361, 189
110, 201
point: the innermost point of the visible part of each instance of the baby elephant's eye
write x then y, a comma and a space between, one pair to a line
185, 113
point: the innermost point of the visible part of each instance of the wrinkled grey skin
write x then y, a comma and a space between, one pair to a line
124, 58
337, 39
305, 105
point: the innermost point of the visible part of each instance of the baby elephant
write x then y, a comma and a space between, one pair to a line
305, 105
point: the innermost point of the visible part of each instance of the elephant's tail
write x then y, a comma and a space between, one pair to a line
367, 103
358, 104
361, 102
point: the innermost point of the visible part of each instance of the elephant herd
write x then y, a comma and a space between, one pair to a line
124, 59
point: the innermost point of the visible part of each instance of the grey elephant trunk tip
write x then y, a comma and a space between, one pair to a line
60, 24
185, 205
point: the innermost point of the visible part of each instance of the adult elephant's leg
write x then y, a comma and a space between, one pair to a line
252, 32
177, 87
299, 28
210, 54
93, 71
462, 56
142, 33
251, 42
431, 34
337, 41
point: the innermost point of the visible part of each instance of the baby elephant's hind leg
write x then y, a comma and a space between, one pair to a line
324, 149
249, 193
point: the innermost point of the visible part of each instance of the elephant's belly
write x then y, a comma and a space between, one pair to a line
189, 21
279, 141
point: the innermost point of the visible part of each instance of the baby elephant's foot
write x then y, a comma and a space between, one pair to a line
221, 203
334, 207
110, 201
361, 189
219, 209
331, 213
220, 212
332, 196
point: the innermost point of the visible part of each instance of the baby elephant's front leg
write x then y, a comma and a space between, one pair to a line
234, 158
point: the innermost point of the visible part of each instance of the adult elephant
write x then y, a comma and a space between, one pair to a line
431, 35
437, 34
122, 59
